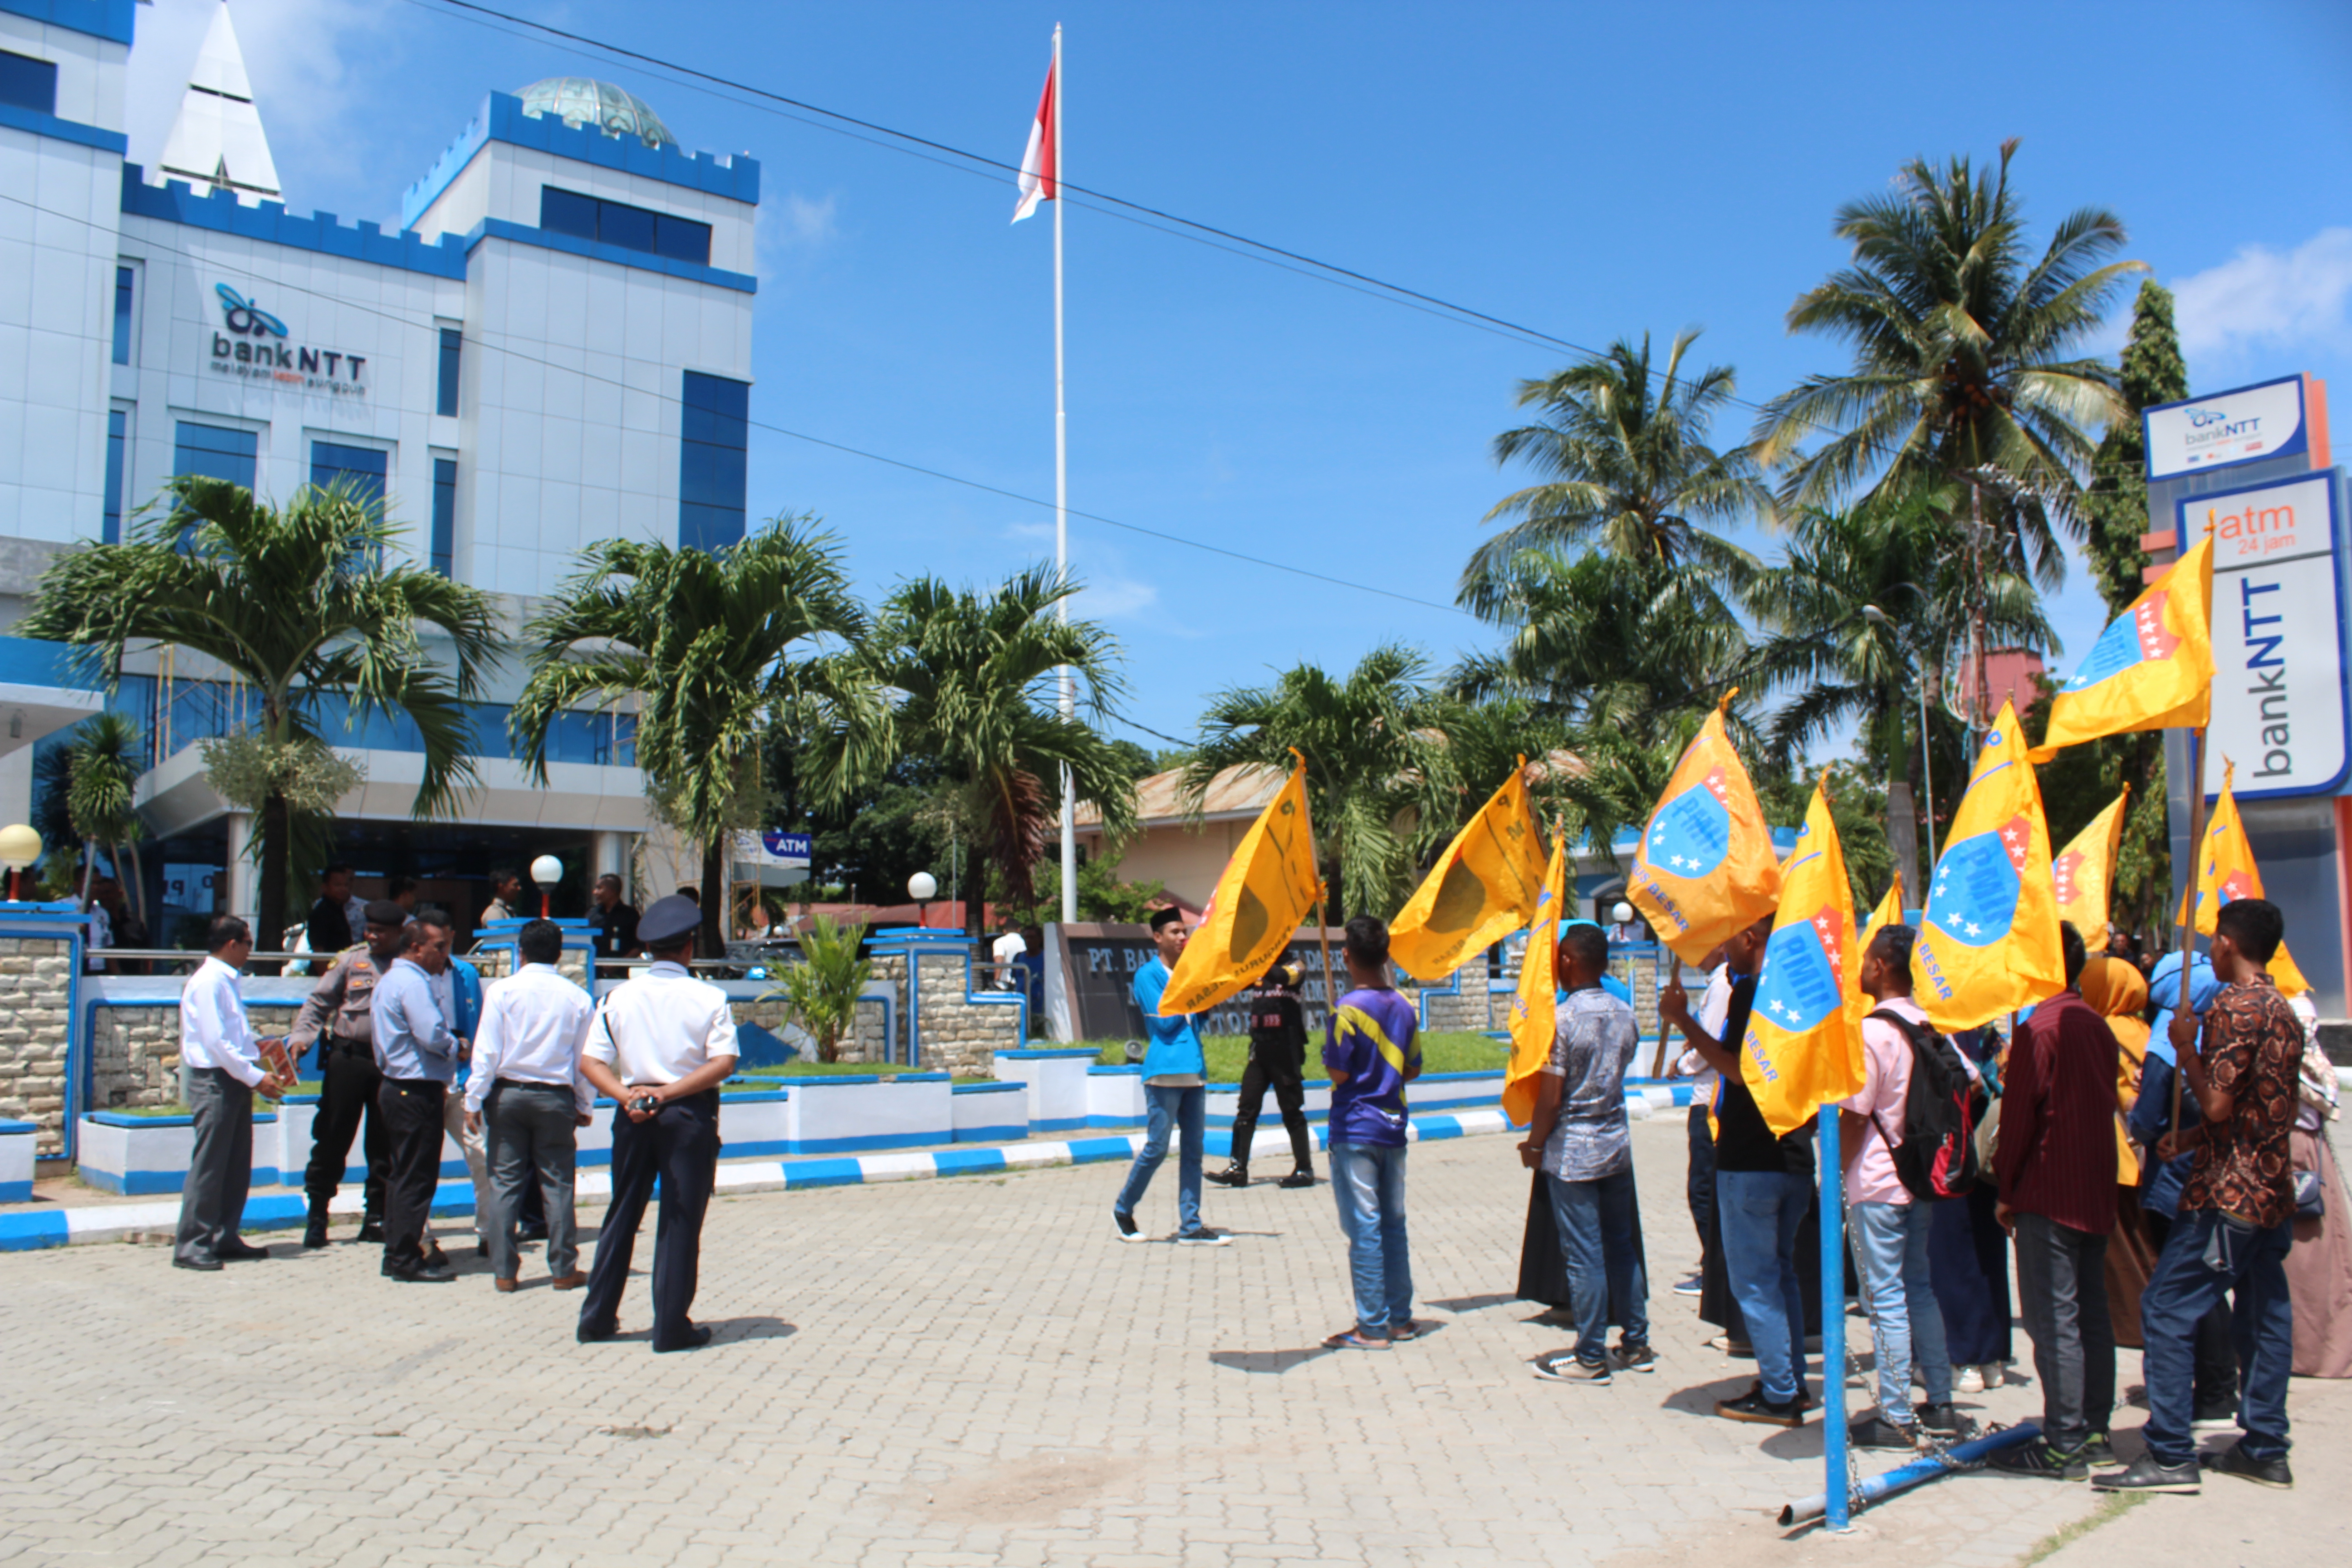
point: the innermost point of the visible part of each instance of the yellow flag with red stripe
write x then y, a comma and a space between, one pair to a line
1989, 937
1803, 1046
1482, 888
2085, 873
1263, 893
1534, 1011
1889, 912
2226, 870
1706, 868
2152, 668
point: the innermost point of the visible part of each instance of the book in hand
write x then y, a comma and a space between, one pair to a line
277, 1060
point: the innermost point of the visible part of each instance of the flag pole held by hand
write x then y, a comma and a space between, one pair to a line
2188, 897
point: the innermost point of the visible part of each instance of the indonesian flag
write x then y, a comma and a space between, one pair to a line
1040, 176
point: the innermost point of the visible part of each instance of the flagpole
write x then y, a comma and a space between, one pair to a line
2188, 897
1062, 509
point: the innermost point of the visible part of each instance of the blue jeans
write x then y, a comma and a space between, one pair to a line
1906, 1321
1185, 1111
1760, 1213
1368, 1179
2184, 1286
1598, 1240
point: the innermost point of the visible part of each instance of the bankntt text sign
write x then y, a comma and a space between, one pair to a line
2278, 637
2250, 424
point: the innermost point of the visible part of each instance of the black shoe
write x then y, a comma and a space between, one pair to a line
1235, 1175
314, 1234
696, 1338
1940, 1420
420, 1274
1871, 1432
436, 1258
1127, 1228
1637, 1357
371, 1230
588, 1335
2097, 1452
1302, 1177
2214, 1419
481, 1249
1753, 1406
2235, 1461
531, 1233
2039, 1460
201, 1265
242, 1252
2147, 1476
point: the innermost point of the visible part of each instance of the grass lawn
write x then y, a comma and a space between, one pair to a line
1228, 1054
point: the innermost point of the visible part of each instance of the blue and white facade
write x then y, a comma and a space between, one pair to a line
550, 346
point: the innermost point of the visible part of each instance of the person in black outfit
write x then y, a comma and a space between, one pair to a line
1277, 1058
614, 924
330, 926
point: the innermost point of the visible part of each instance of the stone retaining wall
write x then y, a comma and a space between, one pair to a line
35, 976
961, 1036
136, 1052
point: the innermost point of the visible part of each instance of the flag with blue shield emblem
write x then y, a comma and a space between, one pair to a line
1803, 1046
2152, 668
1706, 867
1989, 936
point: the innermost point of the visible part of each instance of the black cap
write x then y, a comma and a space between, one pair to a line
1164, 915
670, 921
385, 912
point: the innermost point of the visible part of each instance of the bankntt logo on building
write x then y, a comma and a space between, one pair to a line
247, 350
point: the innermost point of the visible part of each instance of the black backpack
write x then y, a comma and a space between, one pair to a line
1937, 1156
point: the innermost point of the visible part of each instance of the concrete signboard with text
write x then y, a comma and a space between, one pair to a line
2258, 424
2279, 702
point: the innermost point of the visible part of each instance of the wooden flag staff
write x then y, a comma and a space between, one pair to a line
2189, 896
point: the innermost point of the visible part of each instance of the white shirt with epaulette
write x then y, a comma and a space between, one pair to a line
661, 1025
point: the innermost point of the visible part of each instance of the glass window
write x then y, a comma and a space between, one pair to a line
29, 83
631, 228
453, 344
566, 212
712, 479
682, 238
617, 222
444, 515
118, 442
208, 449
364, 467
126, 283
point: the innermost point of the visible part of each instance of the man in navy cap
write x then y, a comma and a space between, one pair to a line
661, 1044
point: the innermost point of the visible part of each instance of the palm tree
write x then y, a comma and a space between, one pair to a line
105, 760
971, 680
1377, 773
1625, 464
296, 601
715, 647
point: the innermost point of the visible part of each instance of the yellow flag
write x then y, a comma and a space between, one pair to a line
1705, 869
1803, 1046
2152, 668
1483, 888
2226, 870
2085, 870
1989, 936
1889, 912
1533, 1010
1265, 891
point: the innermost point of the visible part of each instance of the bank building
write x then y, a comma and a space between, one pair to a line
551, 345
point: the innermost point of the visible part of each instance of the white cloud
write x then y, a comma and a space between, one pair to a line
2260, 298
1108, 598
802, 222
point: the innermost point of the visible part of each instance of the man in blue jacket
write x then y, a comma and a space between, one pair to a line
1175, 1092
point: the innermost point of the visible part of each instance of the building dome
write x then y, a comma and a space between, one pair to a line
615, 110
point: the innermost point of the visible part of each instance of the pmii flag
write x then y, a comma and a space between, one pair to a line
1534, 1011
2152, 668
1040, 178
2226, 870
2084, 871
1263, 894
1483, 888
1989, 936
1889, 912
1706, 868
1803, 1046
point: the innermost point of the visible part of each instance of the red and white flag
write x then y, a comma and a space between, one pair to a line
1040, 161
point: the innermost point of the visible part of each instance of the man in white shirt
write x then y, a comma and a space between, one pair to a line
1010, 950
221, 1065
660, 1044
527, 1089
1698, 1186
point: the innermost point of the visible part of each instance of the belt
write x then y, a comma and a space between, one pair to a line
526, 1083
351, 1048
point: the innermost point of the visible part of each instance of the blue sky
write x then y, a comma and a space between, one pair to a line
1592, 172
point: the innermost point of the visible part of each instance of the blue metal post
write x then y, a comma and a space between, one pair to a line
1834, 1435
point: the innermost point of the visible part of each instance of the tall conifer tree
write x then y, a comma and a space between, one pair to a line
2153, 372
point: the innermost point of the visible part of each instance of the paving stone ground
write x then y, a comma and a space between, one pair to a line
951, 1371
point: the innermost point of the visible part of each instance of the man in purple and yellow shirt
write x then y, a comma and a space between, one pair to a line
1370, 1052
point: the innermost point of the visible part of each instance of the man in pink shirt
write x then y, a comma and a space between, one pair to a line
1887, 1225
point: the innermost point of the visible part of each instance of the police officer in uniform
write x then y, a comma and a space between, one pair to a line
338, 1014
659, 1047
1277, 1058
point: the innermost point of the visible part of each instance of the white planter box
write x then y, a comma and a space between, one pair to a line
754, 1125
16, 1144
1115, 1096
147, 1154
1057, 1083
851, 1114
992, 1113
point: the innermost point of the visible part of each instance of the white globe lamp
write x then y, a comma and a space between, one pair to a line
547, 871
922, 887
20, 845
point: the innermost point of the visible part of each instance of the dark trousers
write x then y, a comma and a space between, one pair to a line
2204, 1259
348, 1082
1698, 1186
531, 1148
220, 1171
2062, 1294
2213, 1353
678, 1144
1600, 1227
1289, 1096
412, 1117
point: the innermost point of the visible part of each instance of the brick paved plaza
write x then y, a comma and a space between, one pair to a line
972, 1371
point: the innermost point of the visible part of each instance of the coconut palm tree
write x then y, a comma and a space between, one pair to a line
970, 683
714, 648
1623, 452
104, 762
296, 601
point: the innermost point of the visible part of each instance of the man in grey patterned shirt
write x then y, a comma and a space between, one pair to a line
1580, 1140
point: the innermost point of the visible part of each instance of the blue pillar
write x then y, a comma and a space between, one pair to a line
1834, 1435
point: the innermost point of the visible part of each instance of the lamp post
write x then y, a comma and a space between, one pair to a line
1878, 617
20, 845
922, 887
547, 871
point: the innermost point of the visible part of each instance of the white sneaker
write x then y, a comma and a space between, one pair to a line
1967, 1380
1996, 1375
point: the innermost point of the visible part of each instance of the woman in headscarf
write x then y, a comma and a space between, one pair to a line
2320, 1265
2117, 993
